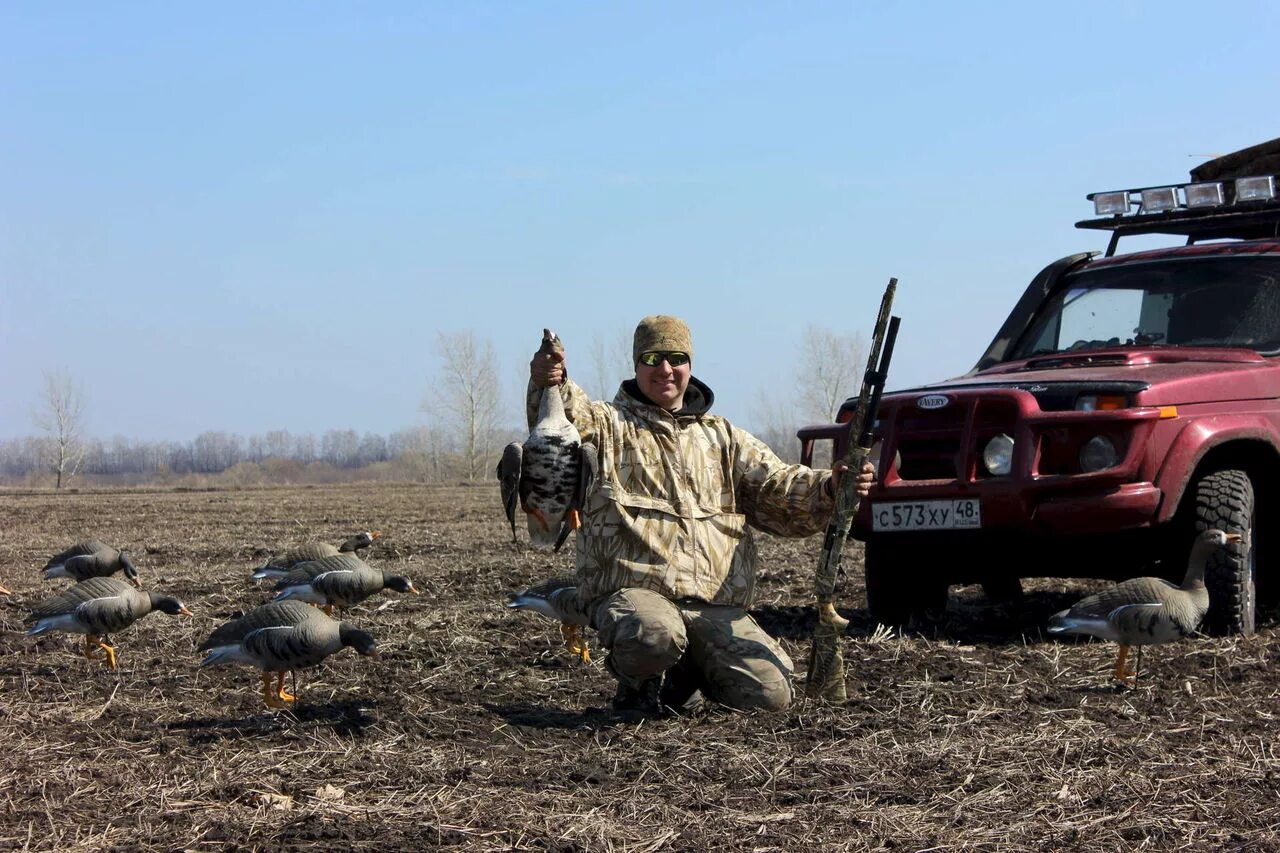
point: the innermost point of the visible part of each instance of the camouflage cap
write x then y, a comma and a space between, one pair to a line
664, 333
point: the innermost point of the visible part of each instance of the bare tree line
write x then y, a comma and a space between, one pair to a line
464, 408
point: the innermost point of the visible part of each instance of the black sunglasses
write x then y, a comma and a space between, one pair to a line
653, 359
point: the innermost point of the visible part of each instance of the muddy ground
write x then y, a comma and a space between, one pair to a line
477, 731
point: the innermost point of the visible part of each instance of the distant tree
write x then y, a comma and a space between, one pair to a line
774, 421
828, 372
61, 416
610, 364
467, 399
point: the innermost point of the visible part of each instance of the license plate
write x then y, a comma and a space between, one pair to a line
960, 514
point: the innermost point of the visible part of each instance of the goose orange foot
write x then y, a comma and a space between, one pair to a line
93, 644
275, 697
575, 642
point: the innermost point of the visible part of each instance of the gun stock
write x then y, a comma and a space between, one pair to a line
826, 664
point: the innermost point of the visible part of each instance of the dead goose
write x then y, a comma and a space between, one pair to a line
279, 637
279, 566
1145, 611
343, 580
98, 607
548, 475
91, 559
558, 599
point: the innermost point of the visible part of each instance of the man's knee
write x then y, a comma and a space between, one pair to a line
643, 632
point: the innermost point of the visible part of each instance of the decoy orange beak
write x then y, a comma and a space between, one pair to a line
375, 654
185, 612
136, 581
1234, 537
4, 591
375, 534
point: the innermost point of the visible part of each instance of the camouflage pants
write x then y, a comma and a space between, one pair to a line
737, 663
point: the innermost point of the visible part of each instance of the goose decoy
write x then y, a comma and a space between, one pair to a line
91, 559
343, 580
98, 607
1146, 611
278, 567
548, 475
558, 599
279, 637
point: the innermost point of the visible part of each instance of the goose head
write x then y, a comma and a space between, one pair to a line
362, 641
400, 583
169, 605
130, 570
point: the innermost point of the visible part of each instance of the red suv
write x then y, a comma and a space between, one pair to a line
1127, 402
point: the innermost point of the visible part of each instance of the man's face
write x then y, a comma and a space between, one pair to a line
662, 383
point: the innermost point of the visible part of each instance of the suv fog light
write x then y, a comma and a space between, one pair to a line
998, 455
1098, 453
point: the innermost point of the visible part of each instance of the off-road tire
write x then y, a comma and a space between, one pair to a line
900, 584
1225, 500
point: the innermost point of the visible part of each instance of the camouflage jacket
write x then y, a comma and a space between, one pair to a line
674, 495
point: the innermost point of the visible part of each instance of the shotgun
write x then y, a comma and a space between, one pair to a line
826, 664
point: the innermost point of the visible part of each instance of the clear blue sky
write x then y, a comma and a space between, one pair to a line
247, 217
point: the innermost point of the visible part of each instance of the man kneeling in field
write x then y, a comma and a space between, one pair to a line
666, 562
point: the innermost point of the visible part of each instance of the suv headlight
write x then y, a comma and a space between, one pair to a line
1098, 453
1100, 402
998, 455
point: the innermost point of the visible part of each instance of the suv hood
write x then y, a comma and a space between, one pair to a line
1161, 375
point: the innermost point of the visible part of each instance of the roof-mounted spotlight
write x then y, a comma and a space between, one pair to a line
1204, 195
1158, 199
1111, 203
1261, 188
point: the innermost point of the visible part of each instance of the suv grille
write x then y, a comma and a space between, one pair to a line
931, 444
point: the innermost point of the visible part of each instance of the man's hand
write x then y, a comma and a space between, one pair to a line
865, 478
547, 369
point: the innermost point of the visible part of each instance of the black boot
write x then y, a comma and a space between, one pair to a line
681, 689
641, 700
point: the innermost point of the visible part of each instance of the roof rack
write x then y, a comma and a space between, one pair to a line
1258, 221
1234, 196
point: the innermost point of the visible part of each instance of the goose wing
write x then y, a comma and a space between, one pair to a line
89, 546
70, 600
509, 481
275, 614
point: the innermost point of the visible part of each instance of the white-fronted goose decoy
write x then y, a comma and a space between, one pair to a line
97, 608
548, 475
279, 637
91, 559
1146, 611
558, 599
339, 581
279, 566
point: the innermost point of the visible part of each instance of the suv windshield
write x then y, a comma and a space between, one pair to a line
1211, 302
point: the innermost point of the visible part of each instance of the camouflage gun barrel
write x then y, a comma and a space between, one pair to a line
826, 664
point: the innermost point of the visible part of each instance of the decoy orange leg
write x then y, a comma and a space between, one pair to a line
269, 695
575, 519
575, 642
90, 644
1122, 673
542, 519
281, 694
111, 654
